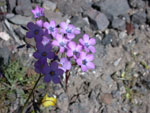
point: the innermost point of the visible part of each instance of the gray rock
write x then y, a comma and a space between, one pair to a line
102, 21
9, 26
36, 1
73, 6
9, 15
137, 3
118, 24
63, 103
11, 5
4, 55
97, 19
69, 8
57, 16
51, 6
24, 7
113, 7
20, 32
20, 20
78, 21
139, 18
79, 108
111, 38
148, 14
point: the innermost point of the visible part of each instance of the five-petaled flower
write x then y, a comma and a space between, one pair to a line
38, 12
85, 61
40, 64
44, 51
52, 72
88, 43
34, 31
74, 50
60, 42
69, 30
65, 64
51, 27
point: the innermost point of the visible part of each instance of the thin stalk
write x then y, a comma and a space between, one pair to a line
31, 93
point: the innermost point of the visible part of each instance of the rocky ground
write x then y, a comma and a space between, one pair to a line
121, 81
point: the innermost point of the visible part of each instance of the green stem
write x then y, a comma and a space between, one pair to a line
31, 93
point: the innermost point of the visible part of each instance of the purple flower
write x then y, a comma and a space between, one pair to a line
53, 73
65, 64
69, 29
34, 31
74, 50
44, 51
39, 23
45, 40
39, 65
85, 61
60, 42
88, 43
38, 12
51, 27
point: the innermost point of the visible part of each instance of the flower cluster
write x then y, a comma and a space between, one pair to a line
50, 37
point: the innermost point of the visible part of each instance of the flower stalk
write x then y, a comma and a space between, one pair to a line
31, 93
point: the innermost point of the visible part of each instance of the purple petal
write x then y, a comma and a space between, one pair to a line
46, 25
29, 34
30, 25
39, 65
51, 55
82, 55
39, 23
69, 53
59, 37
37, 8
53, 23
45, 40
47, 78
68, 65
63, 25
85, 37
62, 49
79, 48
56, 79
46, 69
90, 57
54, 65
72, 45
92, 41
55, 43
36, 55
48, 47
92, 49
70, 35
54, 34
79, 61
90, 65
76, 31
81, 41
84, 68
39, 46
62, 30
59, 72
63, 60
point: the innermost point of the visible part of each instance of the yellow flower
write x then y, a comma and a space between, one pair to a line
49, 101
